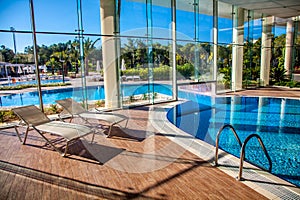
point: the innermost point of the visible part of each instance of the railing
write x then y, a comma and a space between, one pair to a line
242, 155
243, 146
218, 137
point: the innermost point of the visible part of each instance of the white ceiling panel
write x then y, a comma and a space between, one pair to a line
277, 8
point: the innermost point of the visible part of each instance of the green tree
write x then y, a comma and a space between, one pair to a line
128, 53
7, 54
141, 53
89, 46
278, 71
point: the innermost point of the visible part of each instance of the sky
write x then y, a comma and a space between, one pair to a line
61, 16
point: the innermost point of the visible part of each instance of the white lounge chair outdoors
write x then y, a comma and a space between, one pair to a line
131, 78
75, 109
36, 119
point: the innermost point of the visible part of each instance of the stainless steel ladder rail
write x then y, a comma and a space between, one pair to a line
242, 154
218, 137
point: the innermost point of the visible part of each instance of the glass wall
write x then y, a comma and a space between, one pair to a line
55, 16
133, 10
59, 63
296, 52
224, 46
143, 62
252, 49
141, 54
16, 15
194, 53
278, 71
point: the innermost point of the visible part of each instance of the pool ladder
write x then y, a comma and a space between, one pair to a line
243, 146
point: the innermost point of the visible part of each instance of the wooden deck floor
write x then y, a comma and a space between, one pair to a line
270, 92
137, 163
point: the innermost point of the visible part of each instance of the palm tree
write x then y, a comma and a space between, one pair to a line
128, 53
7, 54
89, 46
54, 63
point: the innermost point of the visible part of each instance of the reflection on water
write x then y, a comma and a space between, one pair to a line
275, 120
93, 93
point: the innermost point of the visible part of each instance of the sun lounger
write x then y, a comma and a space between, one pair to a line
132, 78
75, 109
36, 119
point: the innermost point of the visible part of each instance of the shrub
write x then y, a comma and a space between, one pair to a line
52, 109
161, 73
20, 87
7, 115
278, 72
2, 116
226, 71
186, 70
293, 84
143, 73
100, 103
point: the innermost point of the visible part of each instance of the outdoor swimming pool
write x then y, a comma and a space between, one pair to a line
93, 93
275, 120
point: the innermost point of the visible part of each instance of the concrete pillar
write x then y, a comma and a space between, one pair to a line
288, 58
110, 51
237, 49
266, 50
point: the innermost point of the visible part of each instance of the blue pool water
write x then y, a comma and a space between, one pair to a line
93, 93
275, 120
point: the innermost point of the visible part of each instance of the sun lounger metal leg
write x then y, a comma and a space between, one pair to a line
18, 134
109, 131
93, 136
26, 133
66, 149
126, 123
49, 142
110, 127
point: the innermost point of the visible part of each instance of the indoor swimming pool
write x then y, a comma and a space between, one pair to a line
275, 120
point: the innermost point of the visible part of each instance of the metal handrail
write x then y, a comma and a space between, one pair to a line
218, 136
242, 155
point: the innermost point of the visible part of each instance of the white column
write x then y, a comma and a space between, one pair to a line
110, 49
266, 50
237, 49
289, 47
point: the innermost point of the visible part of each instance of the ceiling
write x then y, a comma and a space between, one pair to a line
277, 8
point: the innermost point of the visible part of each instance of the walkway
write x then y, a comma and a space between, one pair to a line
270, 92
